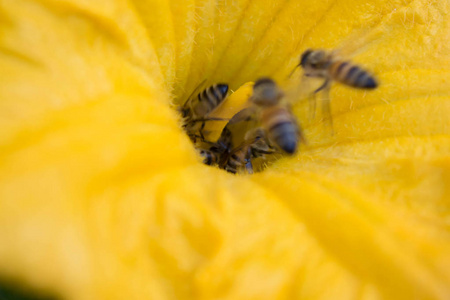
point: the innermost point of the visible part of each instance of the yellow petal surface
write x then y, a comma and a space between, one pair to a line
102, 196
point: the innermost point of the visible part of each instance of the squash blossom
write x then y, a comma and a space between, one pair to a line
103, 196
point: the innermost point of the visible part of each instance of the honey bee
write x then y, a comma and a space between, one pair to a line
255, 146
239, 158
197, 107
232, 134
267, 126
275, 117
326, 65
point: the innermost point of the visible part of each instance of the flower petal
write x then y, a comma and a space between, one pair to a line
102, 194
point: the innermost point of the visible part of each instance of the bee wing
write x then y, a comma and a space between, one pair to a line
194, 92
301, 90
244, 117
326, 109
234, 131
251, 137
243, 145
357, 42
298, 89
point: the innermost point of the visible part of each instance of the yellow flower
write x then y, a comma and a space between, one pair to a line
102, 196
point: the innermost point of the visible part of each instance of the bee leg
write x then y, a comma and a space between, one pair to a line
326, 109
200, 131
313, 100
312, 107
267, 152
193, 138
248, 164
324, 85
249, 167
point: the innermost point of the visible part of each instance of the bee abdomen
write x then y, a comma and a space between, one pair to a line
282, 129
212, 97
352, 75
285, 136
233, 163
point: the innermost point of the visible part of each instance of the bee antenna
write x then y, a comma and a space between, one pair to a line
292, 72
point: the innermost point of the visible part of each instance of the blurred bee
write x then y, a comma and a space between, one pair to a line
326, 65
275, 117
240, 158
233, 133
267, 126
196, 109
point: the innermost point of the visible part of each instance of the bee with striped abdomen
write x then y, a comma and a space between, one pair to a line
325, 64
275, 116
328, 66
197, 107
267, 126
232, 134
254, 146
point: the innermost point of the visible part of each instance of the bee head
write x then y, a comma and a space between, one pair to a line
304, 57
313, 58
266, 92
223, 88
208, 157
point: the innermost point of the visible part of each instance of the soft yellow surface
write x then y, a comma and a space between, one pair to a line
102, 196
